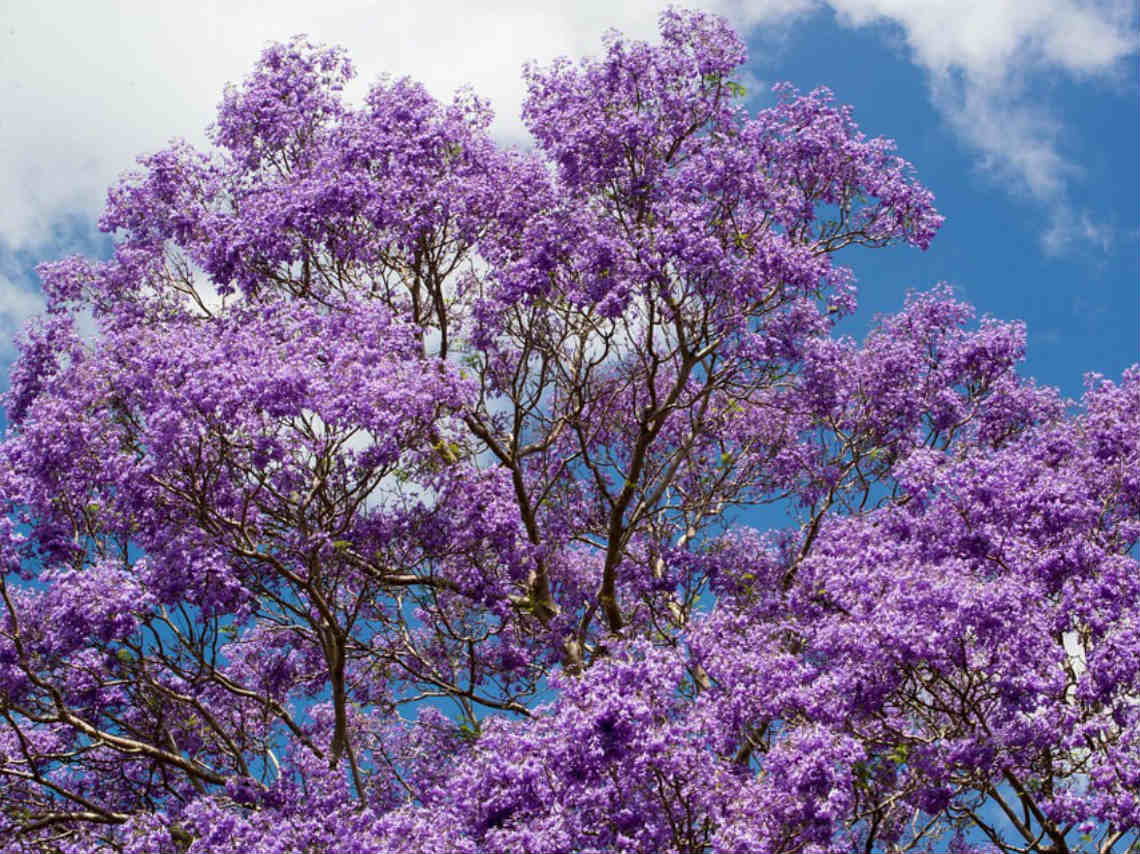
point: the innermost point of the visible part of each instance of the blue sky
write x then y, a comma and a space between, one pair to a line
1022, 117
1057, 250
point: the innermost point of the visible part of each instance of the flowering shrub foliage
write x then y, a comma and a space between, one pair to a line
398, 500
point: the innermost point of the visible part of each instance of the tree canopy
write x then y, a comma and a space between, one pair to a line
388, 490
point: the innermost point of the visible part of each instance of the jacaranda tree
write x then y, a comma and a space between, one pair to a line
390, 491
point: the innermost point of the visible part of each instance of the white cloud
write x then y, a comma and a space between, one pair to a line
988, 39
980, 55
1068, 228
17, 305
1018, 141
88, 86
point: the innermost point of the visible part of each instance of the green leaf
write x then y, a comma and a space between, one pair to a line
448, 451
900, 753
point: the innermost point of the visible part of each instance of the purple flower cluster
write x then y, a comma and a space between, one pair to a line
386, 491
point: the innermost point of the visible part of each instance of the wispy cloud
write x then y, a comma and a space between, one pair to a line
96, 84
1068, 228
981, 56
991, 38
17, 305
